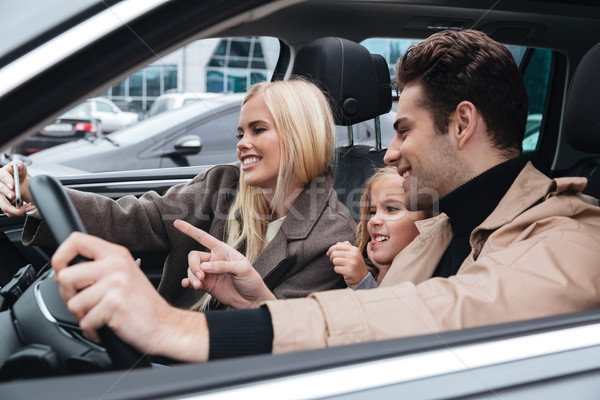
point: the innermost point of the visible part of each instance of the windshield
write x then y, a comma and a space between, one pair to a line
18, 29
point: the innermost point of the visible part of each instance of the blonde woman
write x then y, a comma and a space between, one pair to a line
277, 208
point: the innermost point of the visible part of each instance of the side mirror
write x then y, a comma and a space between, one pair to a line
187, 145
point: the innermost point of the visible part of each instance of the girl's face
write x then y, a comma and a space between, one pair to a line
258, 148
390, 226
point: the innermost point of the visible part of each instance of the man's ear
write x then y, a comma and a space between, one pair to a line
465, 118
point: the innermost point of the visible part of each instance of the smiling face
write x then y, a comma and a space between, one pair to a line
391, 227
258, 148
429, 162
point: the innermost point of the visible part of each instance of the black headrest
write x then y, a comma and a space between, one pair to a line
581, 123
357, 82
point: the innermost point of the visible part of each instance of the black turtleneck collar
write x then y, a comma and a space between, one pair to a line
469, 205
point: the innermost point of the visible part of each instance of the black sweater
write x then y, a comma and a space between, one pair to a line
469, 205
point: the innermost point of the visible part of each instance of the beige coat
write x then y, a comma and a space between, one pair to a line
536, 255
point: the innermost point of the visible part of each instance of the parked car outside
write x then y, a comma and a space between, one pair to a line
78, 123
111, 116
173, 101
201, 134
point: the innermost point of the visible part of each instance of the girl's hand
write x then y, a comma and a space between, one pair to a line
348, 262
224, 272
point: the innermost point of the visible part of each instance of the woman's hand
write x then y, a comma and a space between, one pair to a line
224, 272
7, 190
348, 262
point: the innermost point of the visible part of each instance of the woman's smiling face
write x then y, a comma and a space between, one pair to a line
258, 148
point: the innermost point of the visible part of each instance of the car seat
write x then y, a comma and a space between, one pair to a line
357, 84
581, 123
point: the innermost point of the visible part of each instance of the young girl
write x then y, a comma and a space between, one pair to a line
277, 207
384, 230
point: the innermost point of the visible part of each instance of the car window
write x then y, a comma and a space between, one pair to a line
103, 107
187, 102
535, 64
537, 78
226, 65
81, 111
159, 106
237, 63
207, 69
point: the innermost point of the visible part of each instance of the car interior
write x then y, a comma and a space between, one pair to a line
320, 40
343, 69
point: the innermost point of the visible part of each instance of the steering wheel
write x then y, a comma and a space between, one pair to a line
51, 339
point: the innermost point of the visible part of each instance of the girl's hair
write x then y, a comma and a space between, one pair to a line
362, 233
304, 123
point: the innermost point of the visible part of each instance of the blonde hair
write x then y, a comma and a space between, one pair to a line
305, 127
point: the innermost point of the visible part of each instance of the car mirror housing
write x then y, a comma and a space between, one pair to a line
187, 145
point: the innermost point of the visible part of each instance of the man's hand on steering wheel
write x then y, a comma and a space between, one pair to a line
112, 290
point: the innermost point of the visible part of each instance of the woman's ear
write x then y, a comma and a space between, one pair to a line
465, 118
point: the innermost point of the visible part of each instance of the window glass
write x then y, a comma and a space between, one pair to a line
257, 77
161, 106
137, 92
518, 53
215, 82
237, 80
239, 47
257, 52
193, 77
81, 111
135, 84
119, 89
258, 65
102, 107
390, 49
221, 48
237, 63
217, 62
536, 77
169, 78
188, 102
153, 81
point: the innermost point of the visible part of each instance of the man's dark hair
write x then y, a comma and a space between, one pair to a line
453, 66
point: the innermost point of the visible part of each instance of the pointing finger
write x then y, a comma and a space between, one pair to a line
198, 235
